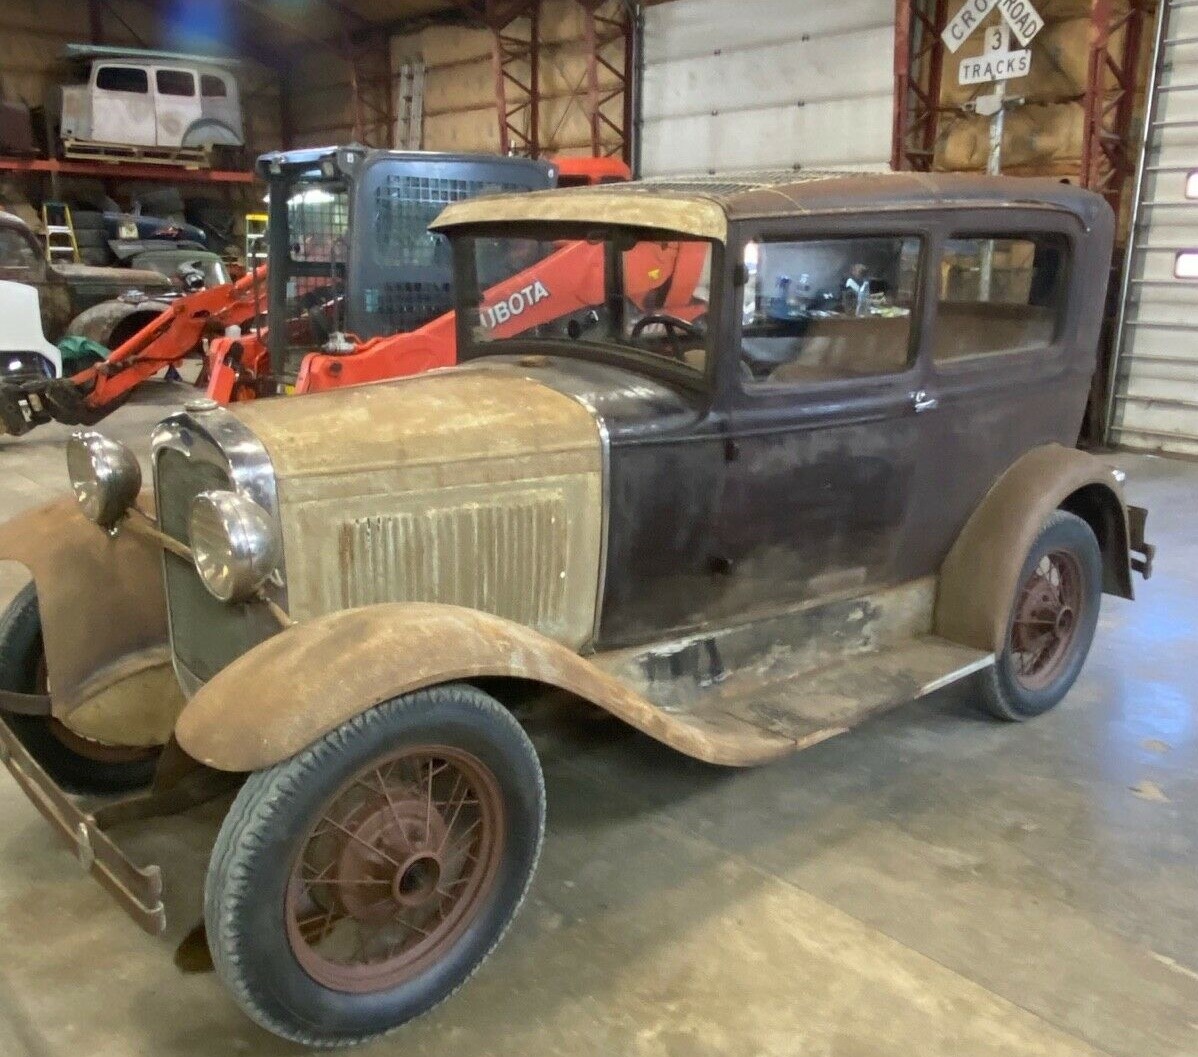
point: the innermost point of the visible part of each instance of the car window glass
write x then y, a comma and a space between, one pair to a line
212, 87
997, 295
175, 82
17, 260
827, 309
644, 294
122, 79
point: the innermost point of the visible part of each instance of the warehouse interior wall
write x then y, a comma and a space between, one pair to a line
1044, 135
743, 84
459, 87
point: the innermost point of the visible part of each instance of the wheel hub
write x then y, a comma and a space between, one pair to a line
394, 842
399, 863
1045, 620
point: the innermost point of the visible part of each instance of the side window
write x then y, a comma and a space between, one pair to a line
998, 295
175, 82
123, 79
826, 309
212, 87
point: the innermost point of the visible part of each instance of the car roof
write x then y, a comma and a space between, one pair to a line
704, 205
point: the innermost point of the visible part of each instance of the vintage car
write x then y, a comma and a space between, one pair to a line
66, 290
835, 474
159, 101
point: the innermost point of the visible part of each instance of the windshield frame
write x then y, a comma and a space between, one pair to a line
642, 361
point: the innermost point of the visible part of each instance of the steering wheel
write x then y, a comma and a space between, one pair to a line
673, 326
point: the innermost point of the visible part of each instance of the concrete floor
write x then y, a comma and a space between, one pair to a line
934, 883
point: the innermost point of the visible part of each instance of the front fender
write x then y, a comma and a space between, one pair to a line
103, 616
100, 322
978, 578
298, 685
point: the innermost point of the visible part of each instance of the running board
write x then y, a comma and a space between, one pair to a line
740, 720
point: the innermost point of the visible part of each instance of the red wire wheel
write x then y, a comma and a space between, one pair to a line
1049, 609
399, 864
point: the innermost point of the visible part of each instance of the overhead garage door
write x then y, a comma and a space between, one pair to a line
1155, 395
743, 84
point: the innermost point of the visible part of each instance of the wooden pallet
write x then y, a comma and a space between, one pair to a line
115, 153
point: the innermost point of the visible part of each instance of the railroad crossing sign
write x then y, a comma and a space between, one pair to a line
996, 63
1020, 15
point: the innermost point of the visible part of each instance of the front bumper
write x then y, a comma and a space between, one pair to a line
137, 889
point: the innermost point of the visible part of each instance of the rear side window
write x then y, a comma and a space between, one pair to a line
123, 79
999, 295
818, 310
175, 82
212, 87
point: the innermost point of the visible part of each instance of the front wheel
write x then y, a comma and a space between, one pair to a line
358, 884
1051, 623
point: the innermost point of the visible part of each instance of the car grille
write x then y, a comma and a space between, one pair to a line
206, 634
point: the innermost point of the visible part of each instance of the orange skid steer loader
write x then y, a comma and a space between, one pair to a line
356, 289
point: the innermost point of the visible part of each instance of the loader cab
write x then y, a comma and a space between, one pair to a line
349, 247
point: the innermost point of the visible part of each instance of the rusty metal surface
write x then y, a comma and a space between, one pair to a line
100, 597
477, 487
704, 206
979, 576
138, 890
358, 658
101, 321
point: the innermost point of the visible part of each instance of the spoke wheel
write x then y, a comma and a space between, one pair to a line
396, 868
1051, 621
1048, 612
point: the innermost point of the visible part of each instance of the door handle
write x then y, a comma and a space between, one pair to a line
922, 402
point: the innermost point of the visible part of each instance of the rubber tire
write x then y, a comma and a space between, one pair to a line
91, 239
1002, 693
96, 257
87, 220
251, 863
20, 652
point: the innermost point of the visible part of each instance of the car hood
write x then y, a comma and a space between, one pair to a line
434, 419
474, 487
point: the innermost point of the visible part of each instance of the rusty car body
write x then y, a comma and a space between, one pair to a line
67, 290
841, 477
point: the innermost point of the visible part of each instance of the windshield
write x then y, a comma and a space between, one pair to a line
611, 289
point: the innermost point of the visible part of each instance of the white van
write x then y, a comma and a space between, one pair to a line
151, 99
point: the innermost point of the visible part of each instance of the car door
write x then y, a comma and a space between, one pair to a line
825, 444
122, 105
1005, 365
177, 104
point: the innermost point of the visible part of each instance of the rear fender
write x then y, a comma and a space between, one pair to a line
978, 578
298, 685
104, 627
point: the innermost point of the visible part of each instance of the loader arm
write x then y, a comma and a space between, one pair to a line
568, 281
87, 397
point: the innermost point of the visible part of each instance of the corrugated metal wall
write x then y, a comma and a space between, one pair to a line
1155, 402
735, 84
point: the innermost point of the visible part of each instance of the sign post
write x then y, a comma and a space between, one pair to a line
997, 64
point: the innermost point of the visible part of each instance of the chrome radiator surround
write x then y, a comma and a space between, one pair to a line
214, 436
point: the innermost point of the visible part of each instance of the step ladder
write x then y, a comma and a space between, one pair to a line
60, 232
255, 240
409, 106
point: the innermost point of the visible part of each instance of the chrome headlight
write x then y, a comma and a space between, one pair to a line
233, 544
105, 476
